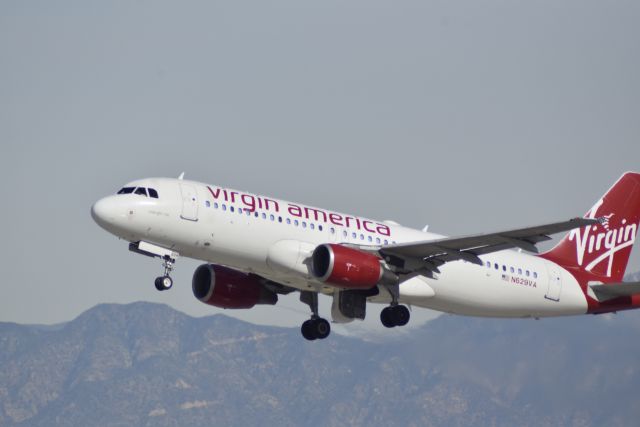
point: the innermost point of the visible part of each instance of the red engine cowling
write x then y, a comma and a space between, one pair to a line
345, 267
227, 288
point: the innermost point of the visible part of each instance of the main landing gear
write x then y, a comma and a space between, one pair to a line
316, 327
396, 314
165, 282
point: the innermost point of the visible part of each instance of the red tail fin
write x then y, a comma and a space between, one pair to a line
603, 249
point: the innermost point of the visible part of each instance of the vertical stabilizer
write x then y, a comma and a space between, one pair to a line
602, 250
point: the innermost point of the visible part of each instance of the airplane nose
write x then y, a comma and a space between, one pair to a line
103, 212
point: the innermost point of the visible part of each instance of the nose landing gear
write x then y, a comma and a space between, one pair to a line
168, 256
165, 282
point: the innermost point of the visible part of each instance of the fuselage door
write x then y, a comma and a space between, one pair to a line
555, 283
189, 202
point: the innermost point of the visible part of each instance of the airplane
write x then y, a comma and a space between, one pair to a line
257, 247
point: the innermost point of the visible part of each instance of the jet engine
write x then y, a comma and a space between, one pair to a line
348, 268
227, 288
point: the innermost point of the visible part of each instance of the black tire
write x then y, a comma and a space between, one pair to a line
307, 330
401, 315
322, 328
158, 284
387, 318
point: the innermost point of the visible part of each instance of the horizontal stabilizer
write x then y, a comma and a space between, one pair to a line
614, 290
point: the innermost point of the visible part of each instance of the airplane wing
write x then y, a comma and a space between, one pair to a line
429, 255
613, 290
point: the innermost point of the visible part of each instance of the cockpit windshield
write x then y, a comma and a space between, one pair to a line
127, 190
142, 191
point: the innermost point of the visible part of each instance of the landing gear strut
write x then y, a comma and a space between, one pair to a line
168, 256
396, 314
316, 327
165, 282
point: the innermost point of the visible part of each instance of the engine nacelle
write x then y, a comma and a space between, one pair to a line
346, 268
227, 288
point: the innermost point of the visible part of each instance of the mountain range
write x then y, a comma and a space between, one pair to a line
147, 364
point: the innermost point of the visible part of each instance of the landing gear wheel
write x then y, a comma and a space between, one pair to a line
322, 328
400, 315
315, 329
307, 330
387, 318
163, 283
395, 315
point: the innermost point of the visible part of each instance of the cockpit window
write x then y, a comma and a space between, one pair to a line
126, 190
140, 191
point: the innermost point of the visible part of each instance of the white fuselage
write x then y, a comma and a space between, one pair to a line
274, 239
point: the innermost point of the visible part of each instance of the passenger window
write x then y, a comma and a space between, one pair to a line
512, 270
535, 275
264, 215
153, 193
353, 234
519, 271
224, 207
248, 212
279, 219
207, 204
504, 268
304, 224
256, 214
496, 266
370, 239
527, 273
386, 242
240, 211
362, 237
288, 220
271, 217
126, 190
231, 208
489, 264
141, 191
332, 230
312, 226
320, 228
295, 222
344, 233
377, 240
215, 205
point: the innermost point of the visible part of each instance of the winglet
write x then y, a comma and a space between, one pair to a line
181, 177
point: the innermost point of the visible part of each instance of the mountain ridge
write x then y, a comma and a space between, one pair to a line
145, 363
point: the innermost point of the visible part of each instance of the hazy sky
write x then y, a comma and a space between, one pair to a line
471, 116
